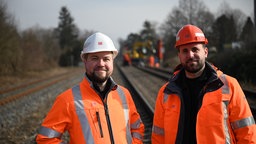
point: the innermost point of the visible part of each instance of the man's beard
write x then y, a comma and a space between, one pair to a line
193, 68
96, 79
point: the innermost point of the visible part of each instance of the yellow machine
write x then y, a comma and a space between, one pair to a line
144, 53
142, 50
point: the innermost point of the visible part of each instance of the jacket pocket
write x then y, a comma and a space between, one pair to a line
97, 120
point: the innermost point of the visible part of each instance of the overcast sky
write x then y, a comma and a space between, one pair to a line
115, 18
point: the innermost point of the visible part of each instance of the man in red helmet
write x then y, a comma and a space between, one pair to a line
200, 104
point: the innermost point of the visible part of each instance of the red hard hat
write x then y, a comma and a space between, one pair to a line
190, 34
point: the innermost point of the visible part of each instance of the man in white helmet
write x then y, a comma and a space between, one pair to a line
97, 110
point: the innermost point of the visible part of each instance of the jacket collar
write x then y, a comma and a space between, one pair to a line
213, 82
113, 84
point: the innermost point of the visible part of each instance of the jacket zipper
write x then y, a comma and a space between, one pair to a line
109, 124
99, 122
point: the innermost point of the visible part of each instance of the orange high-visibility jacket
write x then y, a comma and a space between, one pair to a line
224, 116
89, 119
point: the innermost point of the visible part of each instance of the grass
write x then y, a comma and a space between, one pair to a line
24, 77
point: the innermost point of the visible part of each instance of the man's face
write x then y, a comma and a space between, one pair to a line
99, 66
192, 56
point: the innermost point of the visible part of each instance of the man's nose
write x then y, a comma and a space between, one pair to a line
100, 62
190, 54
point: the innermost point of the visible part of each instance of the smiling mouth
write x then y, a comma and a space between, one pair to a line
100, 69
191, 61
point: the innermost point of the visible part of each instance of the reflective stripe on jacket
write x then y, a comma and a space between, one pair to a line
88, 119
223, 118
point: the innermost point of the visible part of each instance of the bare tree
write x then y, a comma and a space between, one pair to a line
188, 12
238, 16
41, 49
34, 55
191, 9
50, 46
10, 52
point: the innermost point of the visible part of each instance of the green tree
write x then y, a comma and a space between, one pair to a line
67, 31
238, 16
248, 35
224, 32
148, 32
67, 34
131, 39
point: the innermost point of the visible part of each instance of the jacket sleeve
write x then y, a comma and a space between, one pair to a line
157, 136
55, 123
241, 118
136, 124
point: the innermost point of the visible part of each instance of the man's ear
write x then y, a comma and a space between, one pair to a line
83, 57
206, 52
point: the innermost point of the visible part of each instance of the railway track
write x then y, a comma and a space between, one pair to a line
13, 93
144, 108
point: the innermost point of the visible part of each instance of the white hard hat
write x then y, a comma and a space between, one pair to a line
98, 42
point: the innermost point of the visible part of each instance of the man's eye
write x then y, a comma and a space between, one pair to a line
106, 59
195, 49
184, 51
94, 58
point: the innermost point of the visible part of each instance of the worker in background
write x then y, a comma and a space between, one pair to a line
200, 104
151, 61
96, 111
160, 51
126, 59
